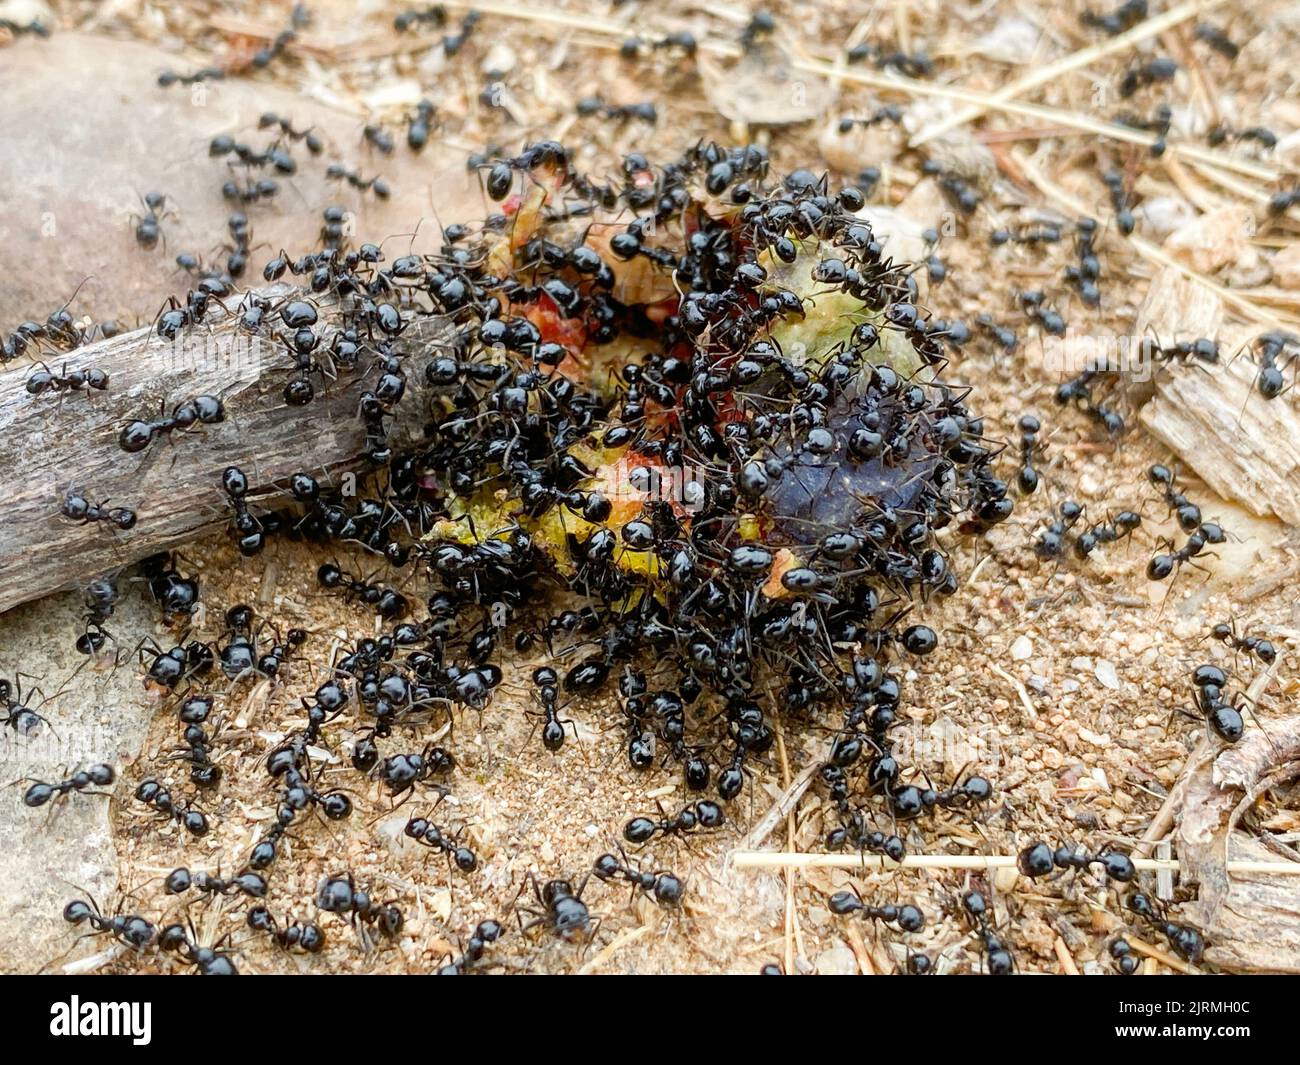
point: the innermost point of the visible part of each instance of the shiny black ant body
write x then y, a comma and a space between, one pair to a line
1222, 716
128, 929
248, 883
306, 936
417, 129
377, 185
286, 127
44, 380
1127, 15
664, 887
702, 814
1269, 348
401, 772
78, 508
169, 668
998, 957
563, 913
176, 595
912, 801
18, 716
388, 604
1027, 476
485, 932
426, 833
209, 961
1188, 942
1226, 632
1123, 524
1038, 859
153, 794
907, 918
149, 228
202, 410
1051, 543
98, 775
340, 895
250, 531
1140, 75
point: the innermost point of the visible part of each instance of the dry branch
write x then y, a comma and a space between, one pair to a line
52, 446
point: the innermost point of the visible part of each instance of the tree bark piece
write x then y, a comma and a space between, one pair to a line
1245, 447
51, 446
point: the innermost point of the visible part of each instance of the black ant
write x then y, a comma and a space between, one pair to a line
128, 929
547, 682
425, 832
1222, 716
1258, 646
379, 138
1187, 512
664, 887
251, 534
702, 814
1164, 563
1084, 276
253, 192
1033, 303
401, 772
377, 185
181, 662
1051, 544
1261, 135
19, 717
340, 895
1000, 960
101, 597
1162, 68
1124, 220
417, 130
305, 935
434, 16
1283, 200
210, 961
911, 801
562, 911
307, 136
1269, 348
176, 595
908, 918
168, 78
1217, 40
153, 794
1127, 15
149, 227
98, 775
1027, 476
78, 508
388, 604
485, 932
592, 105
43, 380
248, 883
138, 435
1005, 338
1124, 524
263, 57
1185, 940
1038, 859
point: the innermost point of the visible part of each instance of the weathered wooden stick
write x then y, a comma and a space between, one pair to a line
54, 445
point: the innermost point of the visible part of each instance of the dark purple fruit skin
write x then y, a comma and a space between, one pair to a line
812, 498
